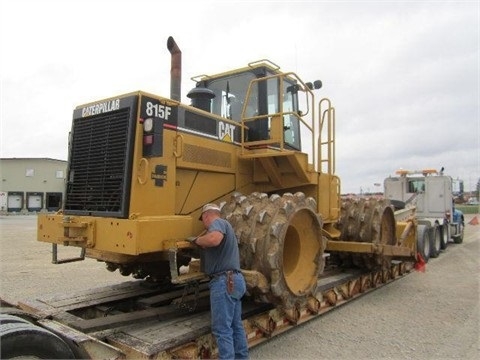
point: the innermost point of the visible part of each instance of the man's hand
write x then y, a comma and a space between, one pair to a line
191, 239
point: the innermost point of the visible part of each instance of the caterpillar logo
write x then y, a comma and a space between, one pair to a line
226, 132
102, 107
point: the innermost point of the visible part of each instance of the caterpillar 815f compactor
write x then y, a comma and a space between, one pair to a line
254, 141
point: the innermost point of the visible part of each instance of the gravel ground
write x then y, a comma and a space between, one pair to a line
26, 264
430, 315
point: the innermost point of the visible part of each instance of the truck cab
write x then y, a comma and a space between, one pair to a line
430, 193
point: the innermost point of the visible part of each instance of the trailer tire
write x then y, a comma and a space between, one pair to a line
8, 319
423, 242
458, 239
398, 205
13, 311
436, 237
20, 339
445, 236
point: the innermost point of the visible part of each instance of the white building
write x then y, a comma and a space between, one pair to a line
31, 184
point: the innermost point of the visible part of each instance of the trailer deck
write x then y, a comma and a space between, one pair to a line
137, 320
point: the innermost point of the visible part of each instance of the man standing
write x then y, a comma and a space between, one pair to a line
221, 262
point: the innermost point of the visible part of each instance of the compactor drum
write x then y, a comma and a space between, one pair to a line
280, 243
367, 220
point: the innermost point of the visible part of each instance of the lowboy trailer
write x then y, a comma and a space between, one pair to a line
133, 320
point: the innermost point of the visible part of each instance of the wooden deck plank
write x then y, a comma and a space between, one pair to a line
150, 339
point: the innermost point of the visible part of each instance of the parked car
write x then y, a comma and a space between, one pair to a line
473, 201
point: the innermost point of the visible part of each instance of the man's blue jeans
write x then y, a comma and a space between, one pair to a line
226, 313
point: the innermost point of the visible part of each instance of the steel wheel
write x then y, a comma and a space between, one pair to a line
367, 220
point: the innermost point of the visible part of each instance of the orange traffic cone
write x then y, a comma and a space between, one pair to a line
474, 221
420, 264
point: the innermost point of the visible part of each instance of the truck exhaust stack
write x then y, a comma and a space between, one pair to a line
175, 70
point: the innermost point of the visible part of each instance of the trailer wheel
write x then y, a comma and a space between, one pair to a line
12, 311
20, 339
8, 319
397, 204
436, 237
445, 236
423, 242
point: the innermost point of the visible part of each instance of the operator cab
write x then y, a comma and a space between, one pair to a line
253, 94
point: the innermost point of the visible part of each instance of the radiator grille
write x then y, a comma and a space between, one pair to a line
98, 174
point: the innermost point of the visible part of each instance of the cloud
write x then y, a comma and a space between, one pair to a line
403, 76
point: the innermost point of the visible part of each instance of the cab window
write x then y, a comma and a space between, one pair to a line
230, 93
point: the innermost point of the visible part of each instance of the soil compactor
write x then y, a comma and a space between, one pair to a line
254, 141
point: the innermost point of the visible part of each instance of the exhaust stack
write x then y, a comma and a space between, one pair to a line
175, 70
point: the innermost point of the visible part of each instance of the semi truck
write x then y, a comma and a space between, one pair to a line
431, 193
254, 141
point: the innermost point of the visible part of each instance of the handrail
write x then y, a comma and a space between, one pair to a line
326, 136
264, 62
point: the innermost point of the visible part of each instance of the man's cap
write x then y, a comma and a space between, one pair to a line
209, 207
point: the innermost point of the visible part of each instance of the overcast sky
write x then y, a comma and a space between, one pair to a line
403, 75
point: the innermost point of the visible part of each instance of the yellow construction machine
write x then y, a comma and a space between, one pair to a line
253, 140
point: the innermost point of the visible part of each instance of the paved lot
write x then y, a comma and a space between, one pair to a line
431, 315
